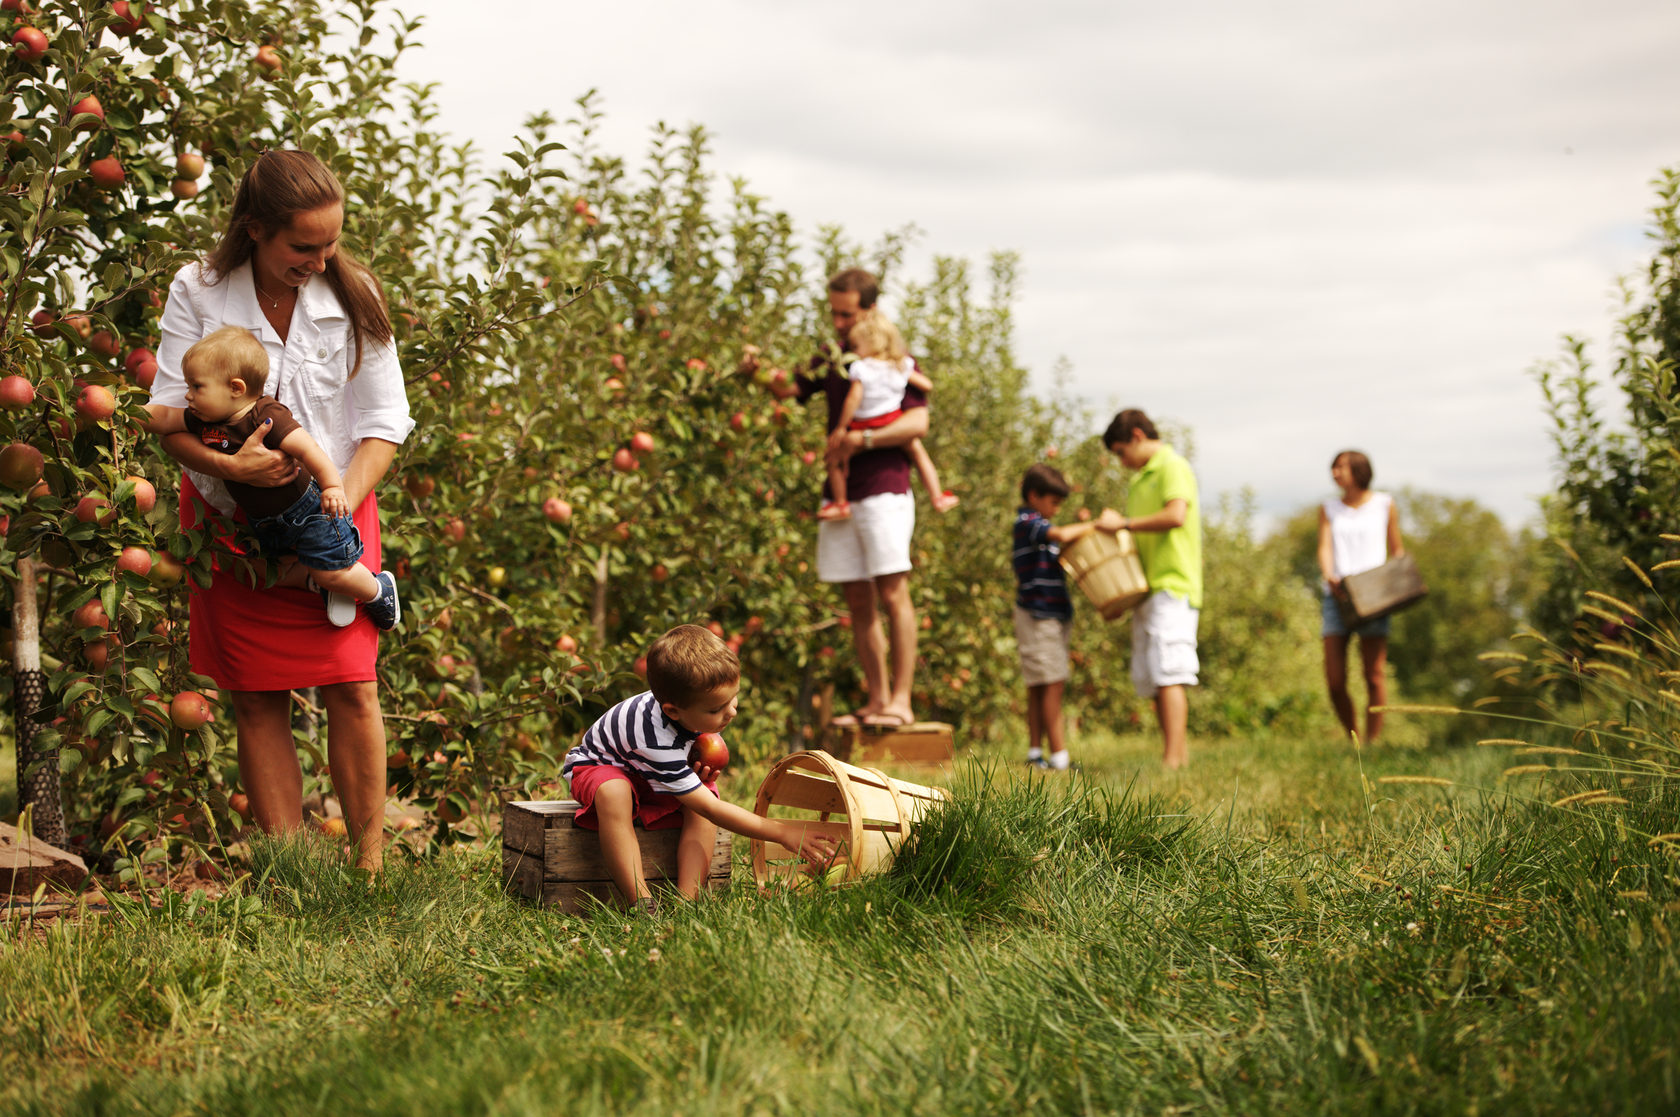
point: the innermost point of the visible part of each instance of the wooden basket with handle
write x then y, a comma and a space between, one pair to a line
1106, 568
868, 814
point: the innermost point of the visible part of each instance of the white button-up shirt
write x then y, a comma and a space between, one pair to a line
309, 371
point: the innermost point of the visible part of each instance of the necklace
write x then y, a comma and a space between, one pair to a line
273, 302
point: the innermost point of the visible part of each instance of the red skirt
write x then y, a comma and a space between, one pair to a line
275, 639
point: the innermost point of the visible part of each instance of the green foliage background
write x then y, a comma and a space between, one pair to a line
548, 306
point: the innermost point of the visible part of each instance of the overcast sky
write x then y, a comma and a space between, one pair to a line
1292, 227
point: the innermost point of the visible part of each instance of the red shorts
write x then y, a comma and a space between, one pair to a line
655, 810
874, 422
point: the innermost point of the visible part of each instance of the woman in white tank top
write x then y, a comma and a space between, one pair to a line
1357, 532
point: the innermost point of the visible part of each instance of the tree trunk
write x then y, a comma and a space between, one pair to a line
38, 782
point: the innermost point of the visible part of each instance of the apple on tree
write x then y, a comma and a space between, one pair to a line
16, 393
107, 173
31, 44
557, 510
189, 710
20, 466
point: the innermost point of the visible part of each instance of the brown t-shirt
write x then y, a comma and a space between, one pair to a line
228, 437
869, 472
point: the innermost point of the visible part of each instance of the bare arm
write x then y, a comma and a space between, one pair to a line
161, 420
306, 450
1326, 551
902, 431
368, 466
1173, 515
254, 464
817, 848
1067, 533
848, 412
920, 381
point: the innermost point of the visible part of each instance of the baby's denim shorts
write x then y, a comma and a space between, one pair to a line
320, 541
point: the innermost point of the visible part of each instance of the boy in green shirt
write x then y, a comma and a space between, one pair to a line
1164, 513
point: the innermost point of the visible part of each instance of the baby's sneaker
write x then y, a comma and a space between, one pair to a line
341, 607
385, 611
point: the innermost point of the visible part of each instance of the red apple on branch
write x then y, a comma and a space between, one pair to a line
107, 173
96, 403
31, 43
641, 442
135, 560
189, 165
267, 59
557, 510
16, 393
88, 106
20, 466
145, 496
189, 710
131, 16
90, 615
623, 460
94, 507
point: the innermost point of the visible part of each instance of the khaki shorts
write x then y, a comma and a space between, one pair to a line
1043, 642
1164, 644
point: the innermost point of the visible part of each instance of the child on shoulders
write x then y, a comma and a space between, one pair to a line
632, 766
225, 372
880, 371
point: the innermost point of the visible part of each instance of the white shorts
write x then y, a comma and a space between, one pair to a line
1164, 643
873, 542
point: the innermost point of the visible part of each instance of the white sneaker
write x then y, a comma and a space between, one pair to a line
341, 608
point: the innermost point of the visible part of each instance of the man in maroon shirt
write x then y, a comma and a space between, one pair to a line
869, 554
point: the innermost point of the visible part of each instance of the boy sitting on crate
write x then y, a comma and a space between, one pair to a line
1043, 610
633, 766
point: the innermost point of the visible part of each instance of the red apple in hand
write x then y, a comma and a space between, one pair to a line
710, 751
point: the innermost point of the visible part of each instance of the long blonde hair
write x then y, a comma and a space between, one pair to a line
874, 335
276, 188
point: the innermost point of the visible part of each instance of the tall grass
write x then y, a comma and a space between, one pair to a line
1132, 941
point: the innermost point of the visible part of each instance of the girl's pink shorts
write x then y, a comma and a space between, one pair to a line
655, 810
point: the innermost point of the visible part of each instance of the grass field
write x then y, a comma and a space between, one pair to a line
1275, 929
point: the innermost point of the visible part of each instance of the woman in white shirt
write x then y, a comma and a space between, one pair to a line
321, 317
1357, 532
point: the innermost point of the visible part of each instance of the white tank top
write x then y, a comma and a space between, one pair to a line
1358, 536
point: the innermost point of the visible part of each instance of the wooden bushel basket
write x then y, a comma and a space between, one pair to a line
1107, 570
1373, 594
868, 813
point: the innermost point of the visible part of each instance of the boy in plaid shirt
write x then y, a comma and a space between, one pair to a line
1043, 610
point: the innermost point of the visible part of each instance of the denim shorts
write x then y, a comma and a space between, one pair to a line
1332, 623
320, 541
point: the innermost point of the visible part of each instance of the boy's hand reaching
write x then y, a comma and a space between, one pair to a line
334, 503
814, 846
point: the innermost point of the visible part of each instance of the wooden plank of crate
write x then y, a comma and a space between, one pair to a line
521, 873
525, 821
570, 854
929, 742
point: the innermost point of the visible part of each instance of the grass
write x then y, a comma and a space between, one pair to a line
1275, 929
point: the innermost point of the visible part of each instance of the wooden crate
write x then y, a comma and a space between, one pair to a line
548, 859
922, 742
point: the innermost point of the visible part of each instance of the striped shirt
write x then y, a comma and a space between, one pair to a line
1041, 587
637, 736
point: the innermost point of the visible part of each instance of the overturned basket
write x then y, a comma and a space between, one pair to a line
868, 813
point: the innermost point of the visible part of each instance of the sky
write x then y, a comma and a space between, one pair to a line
1291, 228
